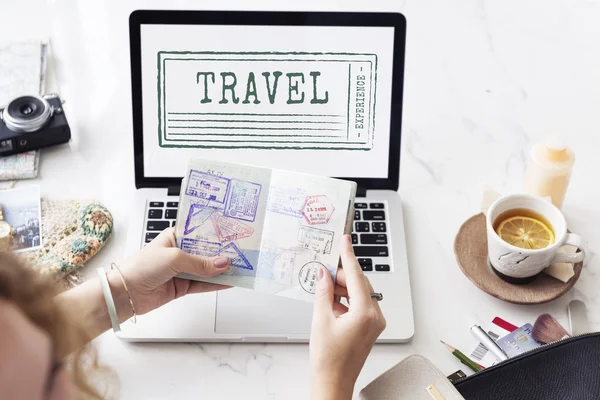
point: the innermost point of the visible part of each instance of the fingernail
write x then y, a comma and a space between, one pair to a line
319, 274
221, 262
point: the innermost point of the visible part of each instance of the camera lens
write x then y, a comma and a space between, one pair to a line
27, 114
26, 109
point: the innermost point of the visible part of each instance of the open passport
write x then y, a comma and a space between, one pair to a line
275, 227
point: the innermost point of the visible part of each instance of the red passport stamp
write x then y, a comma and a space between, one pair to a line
317, 210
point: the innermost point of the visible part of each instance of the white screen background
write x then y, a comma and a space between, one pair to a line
171, 162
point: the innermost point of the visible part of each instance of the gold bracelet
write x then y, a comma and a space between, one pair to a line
115, 266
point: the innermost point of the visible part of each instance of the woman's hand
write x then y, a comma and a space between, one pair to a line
150, 273
342, 337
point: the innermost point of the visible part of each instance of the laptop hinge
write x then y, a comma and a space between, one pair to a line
361, 192
173, 190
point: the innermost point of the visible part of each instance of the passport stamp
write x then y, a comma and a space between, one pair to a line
242, 200
317, 210
207, 186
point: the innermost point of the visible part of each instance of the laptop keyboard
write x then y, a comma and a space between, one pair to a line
370, 237
369, 234
161, 215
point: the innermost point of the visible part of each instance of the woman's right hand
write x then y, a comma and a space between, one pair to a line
342, 337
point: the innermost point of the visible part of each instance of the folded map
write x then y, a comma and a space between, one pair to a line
275, 227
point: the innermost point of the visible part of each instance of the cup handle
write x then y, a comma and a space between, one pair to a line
573, 240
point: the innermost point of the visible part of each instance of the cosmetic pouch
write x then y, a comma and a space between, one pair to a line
414, 378
565, 370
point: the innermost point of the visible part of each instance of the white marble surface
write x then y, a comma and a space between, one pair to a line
484, 79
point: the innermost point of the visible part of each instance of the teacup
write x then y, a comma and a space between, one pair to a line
520, 265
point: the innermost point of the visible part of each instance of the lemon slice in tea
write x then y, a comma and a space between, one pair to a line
525, 232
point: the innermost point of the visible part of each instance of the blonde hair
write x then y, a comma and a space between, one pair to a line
35, 297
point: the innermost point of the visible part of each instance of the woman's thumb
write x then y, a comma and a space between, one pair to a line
195, 265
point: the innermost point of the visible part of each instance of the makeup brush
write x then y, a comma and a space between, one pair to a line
548, 330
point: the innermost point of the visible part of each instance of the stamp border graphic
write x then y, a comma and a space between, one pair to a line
283, 144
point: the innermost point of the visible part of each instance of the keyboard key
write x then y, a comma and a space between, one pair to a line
356, 215
354, 238
378, 226
366, 264
154, 214
376, 205
150, 236
361, 226
173, 204
374, 215
173, 223
375, 238
360, 205
365, 261
157, 225
157, 204
383, 267
371, 251
170, 214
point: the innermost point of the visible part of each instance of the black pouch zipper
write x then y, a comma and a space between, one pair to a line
528, 353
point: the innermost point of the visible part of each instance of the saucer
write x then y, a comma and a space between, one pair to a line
470, 248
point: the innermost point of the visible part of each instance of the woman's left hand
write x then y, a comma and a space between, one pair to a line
150, 273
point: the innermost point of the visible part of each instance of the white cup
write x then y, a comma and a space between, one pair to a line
517, 265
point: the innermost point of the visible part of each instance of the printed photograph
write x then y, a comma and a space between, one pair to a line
21, 210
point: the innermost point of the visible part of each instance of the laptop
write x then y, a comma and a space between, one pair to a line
312, 92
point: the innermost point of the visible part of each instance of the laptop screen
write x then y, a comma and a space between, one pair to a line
312, 99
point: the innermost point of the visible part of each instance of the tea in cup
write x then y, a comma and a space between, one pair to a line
524, 234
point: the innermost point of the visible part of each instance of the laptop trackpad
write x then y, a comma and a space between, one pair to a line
243, 311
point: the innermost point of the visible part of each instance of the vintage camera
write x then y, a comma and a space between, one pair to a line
32, 122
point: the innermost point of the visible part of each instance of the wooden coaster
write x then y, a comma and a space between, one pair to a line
470, 248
